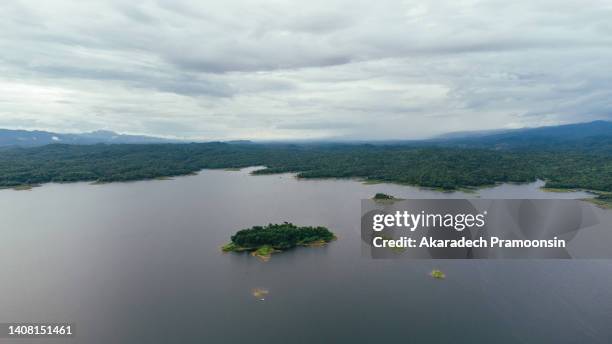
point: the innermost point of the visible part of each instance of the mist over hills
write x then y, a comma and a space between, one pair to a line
596, 135
26, 138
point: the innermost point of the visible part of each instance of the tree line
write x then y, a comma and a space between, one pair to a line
447, 168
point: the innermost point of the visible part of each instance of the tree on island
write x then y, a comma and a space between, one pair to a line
273, 237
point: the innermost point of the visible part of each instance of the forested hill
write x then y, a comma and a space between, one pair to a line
594, 136
438, 167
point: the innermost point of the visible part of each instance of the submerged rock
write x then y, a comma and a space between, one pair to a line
260, 293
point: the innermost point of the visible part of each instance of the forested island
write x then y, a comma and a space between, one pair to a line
263, 241
587, 167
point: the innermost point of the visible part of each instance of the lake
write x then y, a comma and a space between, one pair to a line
140, 262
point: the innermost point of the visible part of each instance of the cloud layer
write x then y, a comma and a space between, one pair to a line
303, 70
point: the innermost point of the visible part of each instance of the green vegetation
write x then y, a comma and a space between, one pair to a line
435, 167
263, 241
231, 247
264, 252
602, 199
437, 274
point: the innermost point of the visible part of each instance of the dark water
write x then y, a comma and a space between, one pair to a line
140, 263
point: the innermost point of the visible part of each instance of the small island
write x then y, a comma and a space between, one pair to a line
266, 240
260, 293
381, 197
435, 273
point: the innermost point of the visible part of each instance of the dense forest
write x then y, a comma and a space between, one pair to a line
278, 236
446, 168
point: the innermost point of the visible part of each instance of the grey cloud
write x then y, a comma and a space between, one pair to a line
236, 59
317, 125
281, 69
321, 23
179, 84
137, 14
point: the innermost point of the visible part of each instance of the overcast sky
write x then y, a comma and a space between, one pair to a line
303, 69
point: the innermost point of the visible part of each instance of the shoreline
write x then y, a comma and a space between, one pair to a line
264, 252
605, 202
601, 199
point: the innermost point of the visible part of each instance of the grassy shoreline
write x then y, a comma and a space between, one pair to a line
602, 199
265, 252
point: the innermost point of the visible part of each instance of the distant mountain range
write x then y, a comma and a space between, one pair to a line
597, 134
568, 131
591, 133
26, 138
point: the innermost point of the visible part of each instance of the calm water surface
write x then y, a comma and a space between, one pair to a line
140, 263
